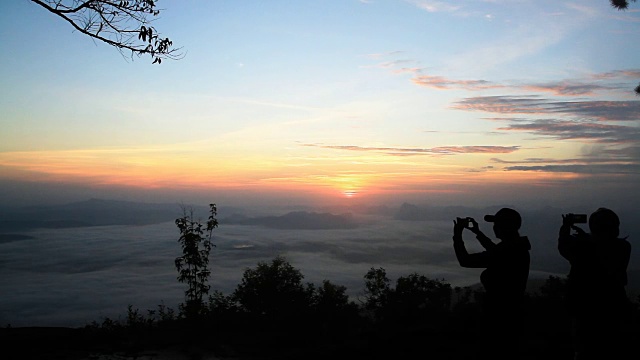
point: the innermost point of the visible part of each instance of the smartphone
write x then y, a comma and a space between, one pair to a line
578, 218
463, 221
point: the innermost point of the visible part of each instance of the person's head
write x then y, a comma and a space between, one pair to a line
604, 223
506, 223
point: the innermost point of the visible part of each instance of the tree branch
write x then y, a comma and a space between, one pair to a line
114, 19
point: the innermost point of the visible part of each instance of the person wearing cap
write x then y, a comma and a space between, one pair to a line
596, 296
504, 279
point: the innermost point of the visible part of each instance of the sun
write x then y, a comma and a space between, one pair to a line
350, 193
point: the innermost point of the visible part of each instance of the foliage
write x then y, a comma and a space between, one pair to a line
620, 4
419, 292
554, 288
414, 297
330, 298
125, 25
376, 288
624, 5
272, 290
195, 239
319, 321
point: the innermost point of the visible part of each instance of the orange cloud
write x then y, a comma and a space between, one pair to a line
568, 88
440, 150
442, 83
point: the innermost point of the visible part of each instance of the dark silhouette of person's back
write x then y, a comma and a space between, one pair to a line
504, 279
597, 297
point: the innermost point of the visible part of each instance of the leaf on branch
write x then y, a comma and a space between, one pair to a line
122, 24
620, 4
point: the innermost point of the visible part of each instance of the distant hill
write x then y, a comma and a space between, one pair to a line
411, 212
297, 220
93, 212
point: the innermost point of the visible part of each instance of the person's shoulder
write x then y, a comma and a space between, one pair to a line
624, 243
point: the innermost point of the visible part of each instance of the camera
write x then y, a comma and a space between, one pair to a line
577, 218
465, 221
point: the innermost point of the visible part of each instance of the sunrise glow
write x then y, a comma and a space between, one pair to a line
369, 115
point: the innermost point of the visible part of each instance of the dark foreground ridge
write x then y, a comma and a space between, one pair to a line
420, 317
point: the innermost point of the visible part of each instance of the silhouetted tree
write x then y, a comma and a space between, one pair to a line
554, 288
419, 292
620, 4
125, 25
330, 298
273, 291
376, 289
623, 5
414, 298
195, 239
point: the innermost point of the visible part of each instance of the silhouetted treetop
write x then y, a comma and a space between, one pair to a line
620, 4
623, 5
124, 25
272, 289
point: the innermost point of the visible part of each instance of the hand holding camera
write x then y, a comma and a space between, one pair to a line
572, 219
465, 223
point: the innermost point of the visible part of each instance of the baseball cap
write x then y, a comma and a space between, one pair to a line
505, 216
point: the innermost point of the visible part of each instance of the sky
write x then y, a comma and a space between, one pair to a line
328, 102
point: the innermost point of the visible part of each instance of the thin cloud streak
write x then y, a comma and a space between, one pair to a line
549, 161
599, 169
434, 6
442, 83
565, 88
440, 150
532, 105
618, 74
573, 130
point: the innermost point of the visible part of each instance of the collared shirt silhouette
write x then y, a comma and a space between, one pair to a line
597, 279
506, 265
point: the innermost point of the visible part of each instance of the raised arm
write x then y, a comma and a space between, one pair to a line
482, 238
566, 241
477, 260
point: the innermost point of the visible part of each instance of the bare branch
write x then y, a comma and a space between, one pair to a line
124, 25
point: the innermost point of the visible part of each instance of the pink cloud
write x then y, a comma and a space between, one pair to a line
440, 150
442, 83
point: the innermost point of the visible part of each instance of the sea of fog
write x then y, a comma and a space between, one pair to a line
71, 277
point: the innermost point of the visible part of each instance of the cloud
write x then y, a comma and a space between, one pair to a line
404, 70
566, 88
618, 74
597, 169
440, 150
577, 130
537, 161
598, 160
394, 63
588, 11
434, 6
594, 110
442, 83
585, 86
630, 152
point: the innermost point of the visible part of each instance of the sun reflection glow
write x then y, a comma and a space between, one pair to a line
350, 193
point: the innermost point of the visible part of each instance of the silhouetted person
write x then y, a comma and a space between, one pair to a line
597, 297
504, 279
